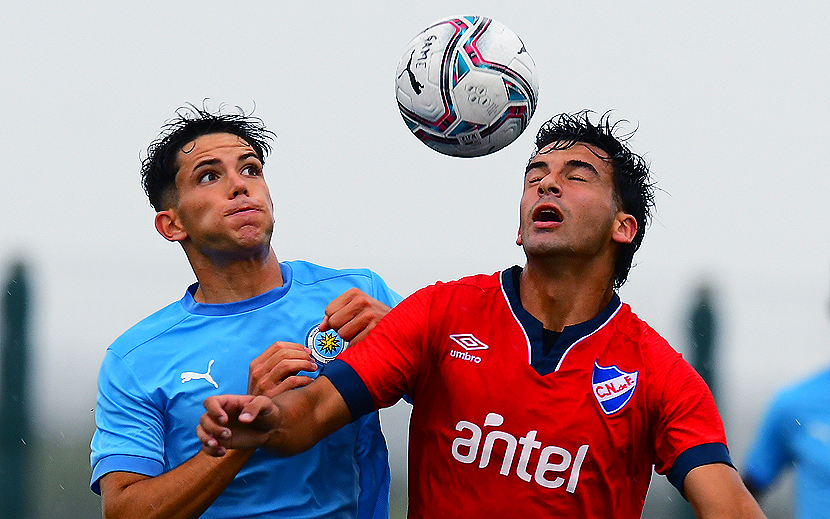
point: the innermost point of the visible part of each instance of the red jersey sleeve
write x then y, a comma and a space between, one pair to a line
688, 431
390, 360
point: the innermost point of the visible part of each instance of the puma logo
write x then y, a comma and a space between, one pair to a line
416, 85
187, 376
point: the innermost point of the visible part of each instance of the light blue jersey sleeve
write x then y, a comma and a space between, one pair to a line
383, 293
127, 423
770, 452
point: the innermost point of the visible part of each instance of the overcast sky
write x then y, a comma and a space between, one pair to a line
731, 102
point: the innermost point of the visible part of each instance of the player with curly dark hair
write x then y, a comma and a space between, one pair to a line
632, 180
249, 324
159, 167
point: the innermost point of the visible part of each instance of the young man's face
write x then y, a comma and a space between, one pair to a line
224, 205
568, 205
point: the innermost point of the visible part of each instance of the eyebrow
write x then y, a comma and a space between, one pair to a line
572, 163
213, 162
246, 156
204, 163
582, 164
534, 165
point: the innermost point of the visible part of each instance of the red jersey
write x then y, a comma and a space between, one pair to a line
501, 427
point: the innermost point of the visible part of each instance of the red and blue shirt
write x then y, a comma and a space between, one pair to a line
503, 426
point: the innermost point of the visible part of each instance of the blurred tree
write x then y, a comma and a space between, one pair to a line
15, 440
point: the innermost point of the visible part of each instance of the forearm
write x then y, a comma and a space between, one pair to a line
182, 493
716, 492
307, 416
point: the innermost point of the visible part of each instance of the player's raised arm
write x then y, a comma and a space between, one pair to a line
290, 423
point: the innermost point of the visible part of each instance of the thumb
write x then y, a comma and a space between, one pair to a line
324, 324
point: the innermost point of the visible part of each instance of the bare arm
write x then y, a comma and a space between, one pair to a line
289, 423
188, 490
182, 493
296, 420
716, 491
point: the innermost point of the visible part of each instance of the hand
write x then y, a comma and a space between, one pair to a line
353, 314
236, 422
275, 370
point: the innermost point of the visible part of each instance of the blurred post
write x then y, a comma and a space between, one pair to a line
15, 441
703, 330
703, 337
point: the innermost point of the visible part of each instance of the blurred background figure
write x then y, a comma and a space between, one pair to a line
15, 453
795, 434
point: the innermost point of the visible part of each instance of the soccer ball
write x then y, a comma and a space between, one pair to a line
466, 86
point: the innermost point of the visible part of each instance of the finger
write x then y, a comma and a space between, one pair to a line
355, 315
358, 324
269, 384
362, 335
275, 353
209, 443
344, 307
215, 410
324, 324
279, 361
212, 429
277, 372
259, 407
293, 383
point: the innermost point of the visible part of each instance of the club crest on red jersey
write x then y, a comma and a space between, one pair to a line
613, 387
325, 346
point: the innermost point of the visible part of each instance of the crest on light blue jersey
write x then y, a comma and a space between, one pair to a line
613, 387
325, 346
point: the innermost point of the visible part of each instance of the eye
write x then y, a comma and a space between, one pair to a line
207, 176
252, 170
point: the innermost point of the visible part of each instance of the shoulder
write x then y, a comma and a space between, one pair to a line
465, 292
306, 276
474, 284
637, 331
796, 394
149, 328
306, 273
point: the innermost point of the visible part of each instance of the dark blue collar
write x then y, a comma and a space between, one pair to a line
546, 364
236, 307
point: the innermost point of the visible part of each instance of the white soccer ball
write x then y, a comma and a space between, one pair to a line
466, 86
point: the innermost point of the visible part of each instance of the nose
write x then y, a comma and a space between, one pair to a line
237, 185
549, 185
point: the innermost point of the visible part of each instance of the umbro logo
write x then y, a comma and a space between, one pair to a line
187, 376
469, 342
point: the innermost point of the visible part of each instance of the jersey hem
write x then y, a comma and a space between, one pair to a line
123, 463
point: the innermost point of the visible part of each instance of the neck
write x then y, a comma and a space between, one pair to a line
235, 280
559, 295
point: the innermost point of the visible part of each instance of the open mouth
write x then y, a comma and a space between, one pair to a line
547, 214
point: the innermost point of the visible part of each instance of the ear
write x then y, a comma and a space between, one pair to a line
519, 238
169, 225
625, 228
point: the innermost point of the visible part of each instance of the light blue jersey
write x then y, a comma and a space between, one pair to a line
796, 433
155, 377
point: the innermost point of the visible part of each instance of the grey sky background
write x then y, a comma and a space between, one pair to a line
731, 102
